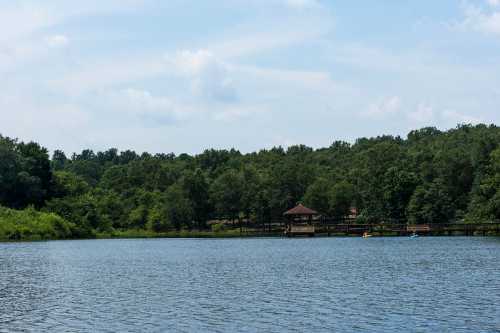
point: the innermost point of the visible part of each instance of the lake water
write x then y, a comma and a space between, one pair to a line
252, 285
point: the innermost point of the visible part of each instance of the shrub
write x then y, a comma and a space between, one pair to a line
30, 224
218, 227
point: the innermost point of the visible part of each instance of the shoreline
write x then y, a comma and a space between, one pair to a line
230, 234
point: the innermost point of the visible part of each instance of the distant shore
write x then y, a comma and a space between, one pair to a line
235, 233
232, 233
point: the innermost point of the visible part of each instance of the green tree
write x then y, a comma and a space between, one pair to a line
227, 194
319, 196
430, 203
485, 202
59, 160
178, 208
399, 186
341, 199
25, 174
197, 190
69, 184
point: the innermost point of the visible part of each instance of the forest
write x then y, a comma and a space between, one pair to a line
429, 176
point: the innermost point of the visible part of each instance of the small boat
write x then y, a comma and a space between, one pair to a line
366, 235
414, 235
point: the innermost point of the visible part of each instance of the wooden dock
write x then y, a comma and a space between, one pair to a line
382, 229
435, 229
300, 230
303, 221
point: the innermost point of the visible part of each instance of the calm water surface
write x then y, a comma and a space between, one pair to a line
252, 285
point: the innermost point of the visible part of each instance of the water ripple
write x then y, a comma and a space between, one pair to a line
252, 285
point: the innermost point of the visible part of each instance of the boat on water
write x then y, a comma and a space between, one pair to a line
414, 235
366, 235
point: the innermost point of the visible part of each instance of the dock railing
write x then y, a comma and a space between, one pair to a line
348, 227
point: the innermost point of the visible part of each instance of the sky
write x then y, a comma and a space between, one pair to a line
189, 75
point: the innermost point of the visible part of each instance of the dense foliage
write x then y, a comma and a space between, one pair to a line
30, 224
431, 176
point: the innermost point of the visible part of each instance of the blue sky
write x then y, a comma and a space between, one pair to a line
183, 76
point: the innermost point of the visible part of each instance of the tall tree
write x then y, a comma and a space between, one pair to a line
227, 194
197, 190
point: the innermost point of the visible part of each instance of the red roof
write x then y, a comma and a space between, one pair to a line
300, 210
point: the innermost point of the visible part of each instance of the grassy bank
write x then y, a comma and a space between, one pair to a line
32, 225
228, 233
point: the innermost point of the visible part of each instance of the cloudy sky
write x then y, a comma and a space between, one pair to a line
186, 75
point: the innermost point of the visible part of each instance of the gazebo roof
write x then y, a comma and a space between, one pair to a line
300, 210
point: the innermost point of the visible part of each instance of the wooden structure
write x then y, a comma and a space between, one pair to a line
299, 221
329, 228
321, 226
418, 228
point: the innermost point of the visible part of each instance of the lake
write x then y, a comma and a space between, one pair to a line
447, 284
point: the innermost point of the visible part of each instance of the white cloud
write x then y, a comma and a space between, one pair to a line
20, 20
421, 113
142, 101
302, 4
373, 58
477, 19
23, 22
97, 76
142, 104
209, 76
281, 82
453, 117
57, 40
283, 141
15, 56
424, 113
265, 35
427, 114
493, 3
280, 4
209, 71
233, 113
17, 22
384, 107
48, 123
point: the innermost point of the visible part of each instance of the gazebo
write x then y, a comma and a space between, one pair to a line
299, 220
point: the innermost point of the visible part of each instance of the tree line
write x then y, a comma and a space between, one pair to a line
429, 176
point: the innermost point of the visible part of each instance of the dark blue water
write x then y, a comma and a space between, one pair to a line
252, 285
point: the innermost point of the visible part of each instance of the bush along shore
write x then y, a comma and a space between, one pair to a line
430, 176
29, 224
